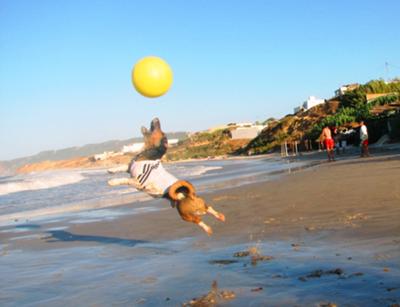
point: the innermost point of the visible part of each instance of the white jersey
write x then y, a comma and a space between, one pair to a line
363, 133
151, 177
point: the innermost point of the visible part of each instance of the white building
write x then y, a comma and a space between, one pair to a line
311, 101
247, 132
345, 88
173, 142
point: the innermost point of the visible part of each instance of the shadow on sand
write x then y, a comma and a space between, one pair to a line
65, 236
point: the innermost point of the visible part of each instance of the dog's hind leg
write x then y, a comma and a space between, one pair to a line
191, 218
216, 214
206, 228
118, 169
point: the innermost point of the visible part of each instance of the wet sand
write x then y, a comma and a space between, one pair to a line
324, 235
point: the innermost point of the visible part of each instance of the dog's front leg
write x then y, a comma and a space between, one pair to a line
120, 181
118, 169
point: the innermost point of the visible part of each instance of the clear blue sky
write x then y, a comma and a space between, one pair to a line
65, 65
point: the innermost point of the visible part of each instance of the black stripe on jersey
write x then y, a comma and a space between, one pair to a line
141, 174
148, 172
145, 171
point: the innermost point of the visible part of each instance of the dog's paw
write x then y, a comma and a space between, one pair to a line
209, 230
206, 228
221, 217
118, 181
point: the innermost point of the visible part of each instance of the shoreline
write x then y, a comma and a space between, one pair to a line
248, 192
314, 154
42, 214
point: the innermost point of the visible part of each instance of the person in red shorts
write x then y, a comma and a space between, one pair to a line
364, 140
326, 137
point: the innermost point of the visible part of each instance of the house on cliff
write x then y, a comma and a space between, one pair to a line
345, 88
311, 101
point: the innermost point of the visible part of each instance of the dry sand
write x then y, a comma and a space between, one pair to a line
324, 235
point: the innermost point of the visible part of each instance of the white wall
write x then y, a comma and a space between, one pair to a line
312, 101
246, 133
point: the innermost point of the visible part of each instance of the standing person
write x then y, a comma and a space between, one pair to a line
326, 137
364, 140
336, 139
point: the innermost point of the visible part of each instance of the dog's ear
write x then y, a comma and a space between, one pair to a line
181, 190
144, 131
146, 136
155, 124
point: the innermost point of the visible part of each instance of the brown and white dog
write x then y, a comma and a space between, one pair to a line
147, 174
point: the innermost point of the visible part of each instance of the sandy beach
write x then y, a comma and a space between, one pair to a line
322, 236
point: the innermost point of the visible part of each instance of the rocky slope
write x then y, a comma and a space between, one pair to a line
289, 128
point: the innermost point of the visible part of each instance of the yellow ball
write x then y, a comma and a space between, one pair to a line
152, 76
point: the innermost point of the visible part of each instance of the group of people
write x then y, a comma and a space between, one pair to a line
329, 142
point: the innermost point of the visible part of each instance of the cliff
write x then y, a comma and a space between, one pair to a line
80, 162
199, 145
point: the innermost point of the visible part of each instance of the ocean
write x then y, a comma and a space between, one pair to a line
85, 193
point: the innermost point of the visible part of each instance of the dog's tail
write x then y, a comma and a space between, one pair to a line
180, 190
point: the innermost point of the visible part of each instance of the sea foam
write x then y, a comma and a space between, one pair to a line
37, 181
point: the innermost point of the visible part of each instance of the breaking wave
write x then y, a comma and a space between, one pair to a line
37, 181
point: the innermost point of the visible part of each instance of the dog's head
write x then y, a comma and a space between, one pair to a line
155, 142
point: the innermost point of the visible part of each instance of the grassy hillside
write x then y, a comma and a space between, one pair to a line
344, 111
205, 145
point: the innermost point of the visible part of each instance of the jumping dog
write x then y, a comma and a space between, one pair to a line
147, 174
